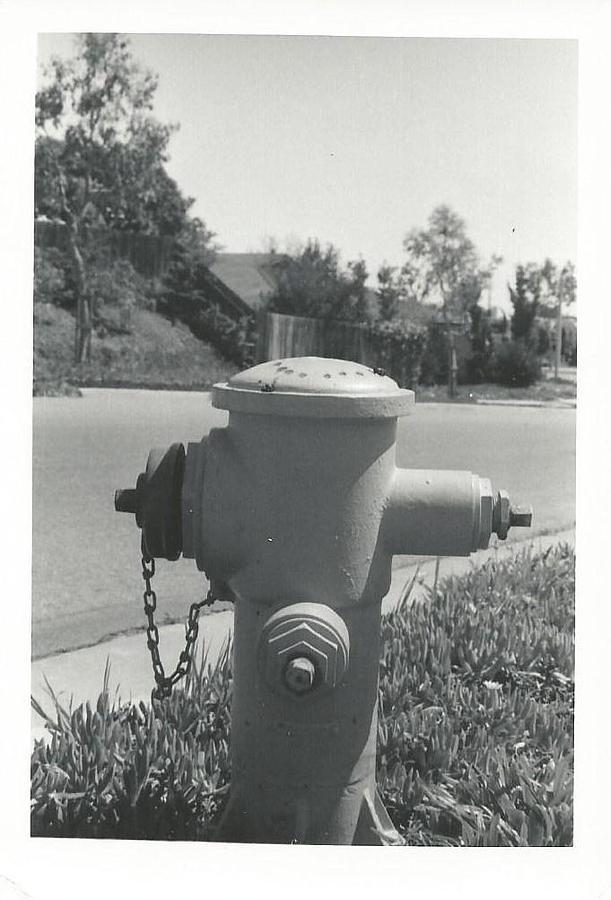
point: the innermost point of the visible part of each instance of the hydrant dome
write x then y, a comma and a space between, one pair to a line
314, 386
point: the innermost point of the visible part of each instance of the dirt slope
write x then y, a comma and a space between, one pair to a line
154, 353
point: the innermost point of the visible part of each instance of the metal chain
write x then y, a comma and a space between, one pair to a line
164, 682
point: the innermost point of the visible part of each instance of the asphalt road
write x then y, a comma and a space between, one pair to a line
86, 566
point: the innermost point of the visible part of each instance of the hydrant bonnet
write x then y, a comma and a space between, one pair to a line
314, 387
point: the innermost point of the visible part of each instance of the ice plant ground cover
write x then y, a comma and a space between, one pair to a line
475, 744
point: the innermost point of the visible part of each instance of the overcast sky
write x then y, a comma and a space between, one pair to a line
355, 140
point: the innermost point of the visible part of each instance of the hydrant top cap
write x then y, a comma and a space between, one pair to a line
313, 386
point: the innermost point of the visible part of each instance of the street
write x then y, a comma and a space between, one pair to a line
86, 565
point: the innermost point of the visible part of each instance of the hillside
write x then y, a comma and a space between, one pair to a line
153, 353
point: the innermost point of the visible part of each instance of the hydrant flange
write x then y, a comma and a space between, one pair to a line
303, 639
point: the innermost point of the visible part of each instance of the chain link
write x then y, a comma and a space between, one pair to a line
164, 682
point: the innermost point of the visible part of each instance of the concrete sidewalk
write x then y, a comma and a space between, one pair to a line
77, 676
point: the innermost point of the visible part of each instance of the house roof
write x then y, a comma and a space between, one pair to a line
249, 275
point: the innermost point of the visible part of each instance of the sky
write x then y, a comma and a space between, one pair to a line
354, 141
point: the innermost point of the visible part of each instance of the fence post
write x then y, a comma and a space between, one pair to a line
261, 347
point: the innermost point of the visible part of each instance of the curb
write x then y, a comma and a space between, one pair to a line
559, 403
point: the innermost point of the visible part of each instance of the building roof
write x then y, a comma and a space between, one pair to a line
249, 275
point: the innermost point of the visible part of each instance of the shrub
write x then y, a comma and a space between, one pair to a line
479, 362
398, 350
435, 358
51, 284
475, 741
234, 340
117, 290
516, 364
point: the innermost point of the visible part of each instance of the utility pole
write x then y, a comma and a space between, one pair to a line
453, 367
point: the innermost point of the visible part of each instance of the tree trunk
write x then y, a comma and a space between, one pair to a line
558, 348
82, 337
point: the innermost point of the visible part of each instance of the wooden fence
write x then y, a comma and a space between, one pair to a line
149, 254
281, 336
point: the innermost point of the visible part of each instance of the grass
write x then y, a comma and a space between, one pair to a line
545, 391
475, 742
154, 354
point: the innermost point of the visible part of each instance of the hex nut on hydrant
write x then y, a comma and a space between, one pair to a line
299, 675
297, 508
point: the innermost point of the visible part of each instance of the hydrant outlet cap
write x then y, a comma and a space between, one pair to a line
316, 387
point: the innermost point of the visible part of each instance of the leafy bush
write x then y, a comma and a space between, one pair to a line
516, 364
116, 287
435, 358
478, 363
398, 350
117, 290
475, 735
235, 340
51, 284
313, 283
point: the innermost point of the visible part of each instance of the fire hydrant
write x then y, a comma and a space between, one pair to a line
296, 508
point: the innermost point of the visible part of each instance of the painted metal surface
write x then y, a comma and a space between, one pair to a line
294, 510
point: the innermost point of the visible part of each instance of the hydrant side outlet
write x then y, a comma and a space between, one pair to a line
438, 513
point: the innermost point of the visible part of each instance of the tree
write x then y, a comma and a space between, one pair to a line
443, 264
388, 293
525, 298
482, 345
312, 283
561, 287
537, 287
100, 155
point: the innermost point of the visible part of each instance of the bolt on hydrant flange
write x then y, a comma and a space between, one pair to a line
299, 675
297, 507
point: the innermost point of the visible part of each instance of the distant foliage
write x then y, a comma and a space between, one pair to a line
96, 132
479, 363
435, 357
516, 364
399, 351
312, 283
115, 286
234, 340
52, 277
100, 158
475, 741
525, 298
389, 293
442, 264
